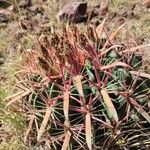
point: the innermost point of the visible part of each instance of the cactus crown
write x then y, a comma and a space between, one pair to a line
82, 93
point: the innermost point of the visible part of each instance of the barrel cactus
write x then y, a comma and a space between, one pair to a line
82, 91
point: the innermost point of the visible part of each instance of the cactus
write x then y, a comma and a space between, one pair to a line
81, 93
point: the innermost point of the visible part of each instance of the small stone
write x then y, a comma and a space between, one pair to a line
147, 3
2, 60
3, 18
73, 11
